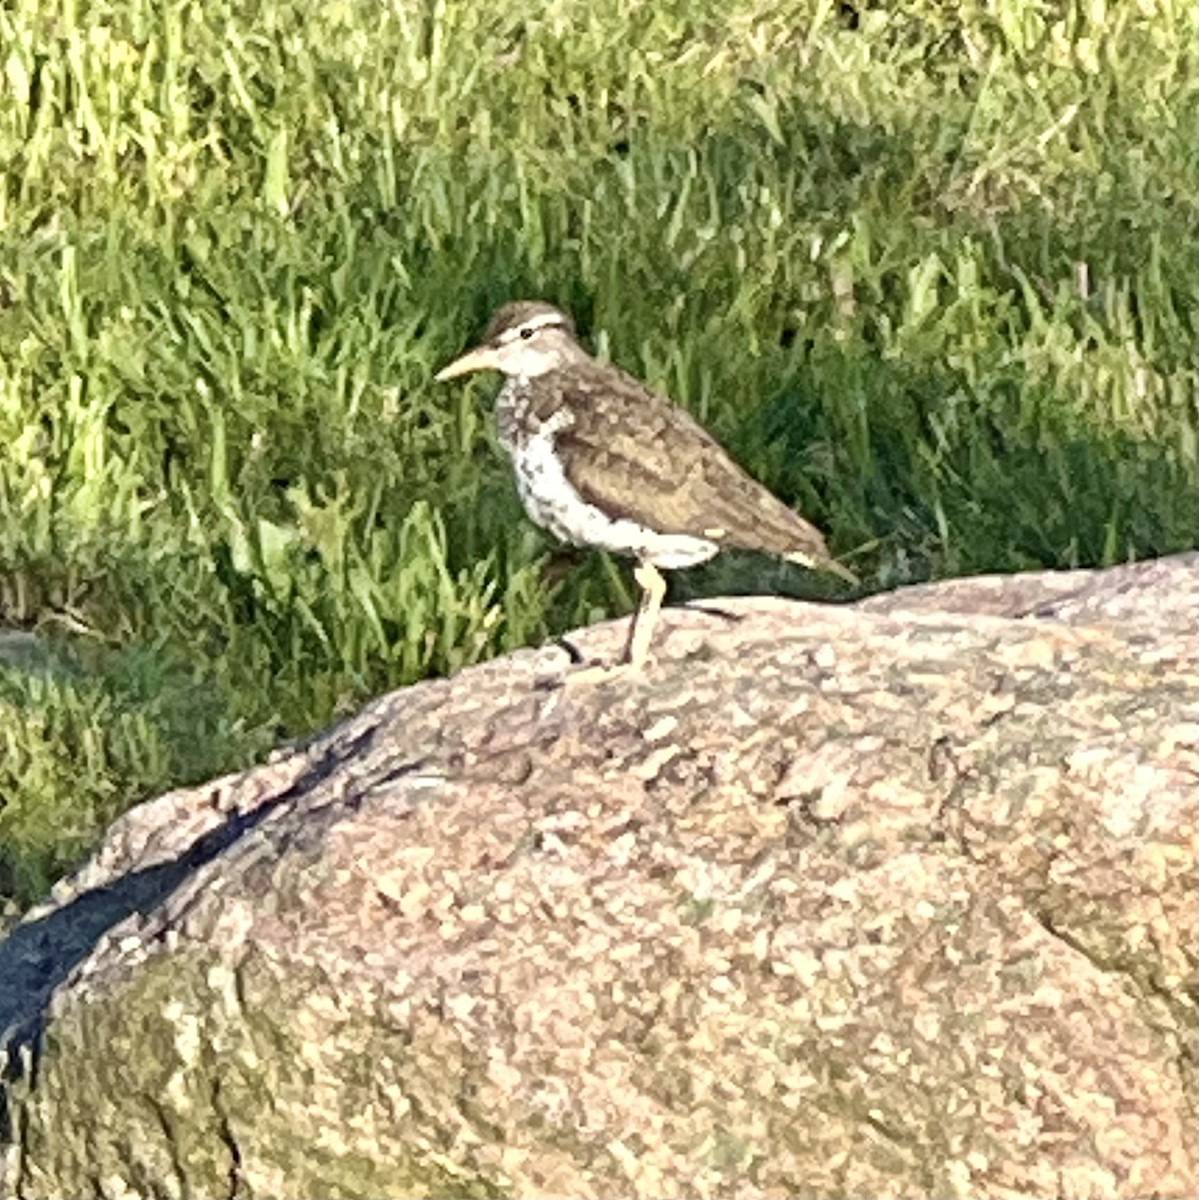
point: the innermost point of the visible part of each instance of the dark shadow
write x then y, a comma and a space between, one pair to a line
714, 610
39, 955
577, 657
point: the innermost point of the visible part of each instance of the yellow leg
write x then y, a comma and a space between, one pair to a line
641, 630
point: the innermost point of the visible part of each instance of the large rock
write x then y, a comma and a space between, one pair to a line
886, 900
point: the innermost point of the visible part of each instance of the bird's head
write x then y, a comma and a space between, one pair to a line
526, 337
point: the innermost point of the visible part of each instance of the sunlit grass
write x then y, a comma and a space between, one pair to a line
928, 269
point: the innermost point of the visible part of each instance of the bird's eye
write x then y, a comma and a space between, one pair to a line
526, 334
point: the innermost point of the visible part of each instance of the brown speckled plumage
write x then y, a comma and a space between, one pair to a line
600, 459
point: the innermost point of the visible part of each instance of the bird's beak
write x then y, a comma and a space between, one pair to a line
481, 358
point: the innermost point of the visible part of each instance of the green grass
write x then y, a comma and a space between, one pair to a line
929, 269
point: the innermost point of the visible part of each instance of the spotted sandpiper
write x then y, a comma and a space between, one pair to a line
601, 460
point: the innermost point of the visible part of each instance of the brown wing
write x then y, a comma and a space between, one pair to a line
635, 454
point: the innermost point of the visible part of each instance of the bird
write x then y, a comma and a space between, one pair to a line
601, 460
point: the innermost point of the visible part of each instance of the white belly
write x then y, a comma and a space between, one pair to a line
552, 502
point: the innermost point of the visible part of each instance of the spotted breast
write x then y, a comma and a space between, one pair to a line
552, 501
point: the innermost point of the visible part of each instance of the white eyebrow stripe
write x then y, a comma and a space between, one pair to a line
538, 322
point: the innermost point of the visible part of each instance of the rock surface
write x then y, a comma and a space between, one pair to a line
893, 899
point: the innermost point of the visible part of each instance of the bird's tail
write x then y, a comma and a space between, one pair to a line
824, 564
